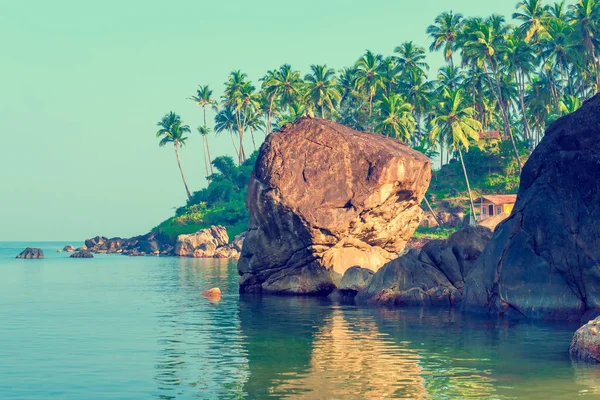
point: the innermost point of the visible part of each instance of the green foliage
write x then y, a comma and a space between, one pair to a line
223, 202
434, 233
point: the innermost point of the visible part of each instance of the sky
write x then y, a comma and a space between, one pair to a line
82, 85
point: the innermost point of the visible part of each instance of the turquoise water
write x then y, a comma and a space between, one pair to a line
115, 327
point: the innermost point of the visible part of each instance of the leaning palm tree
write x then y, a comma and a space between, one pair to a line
394, 117
455, 121
173, 131
322, 92
444, 32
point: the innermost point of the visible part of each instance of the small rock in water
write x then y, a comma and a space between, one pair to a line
585, 346
30, 253
82, 254
69, 249
212, 294
59, 251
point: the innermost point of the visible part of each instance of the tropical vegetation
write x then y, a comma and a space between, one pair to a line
514, 75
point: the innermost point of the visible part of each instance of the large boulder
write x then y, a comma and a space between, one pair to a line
31, 253
543, 261
434, 275
585, 346
323, 198
201, 244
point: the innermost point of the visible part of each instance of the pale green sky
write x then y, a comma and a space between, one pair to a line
83, 84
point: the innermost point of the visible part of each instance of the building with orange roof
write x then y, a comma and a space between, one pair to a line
491, 205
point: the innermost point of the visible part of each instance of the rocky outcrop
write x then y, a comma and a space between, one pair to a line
69, 249
434, 275
207, 243
543, 261
31, 253
82, 254
494, 221
323, 198
202, 244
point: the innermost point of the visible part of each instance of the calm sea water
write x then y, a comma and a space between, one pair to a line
115, 327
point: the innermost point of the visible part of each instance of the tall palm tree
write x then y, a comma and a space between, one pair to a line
531, 14
444, 32
173, 131
394, 117
417, 90
456, 122
322, 92
204, 98
368, 78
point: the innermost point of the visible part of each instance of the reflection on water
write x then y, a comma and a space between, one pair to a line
139, 328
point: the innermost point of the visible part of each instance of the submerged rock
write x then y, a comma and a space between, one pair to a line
323, 198
543, 260
585, 346
82, 254
201, 244
31, 253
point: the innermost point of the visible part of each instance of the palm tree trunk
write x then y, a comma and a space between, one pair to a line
187, 191
234, 145
526, 130
431, 211
253, 142
209, 157
204, 156
468, 185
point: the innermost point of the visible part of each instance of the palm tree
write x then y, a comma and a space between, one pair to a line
585, 18
173, 131
285, 83
225, 120
322, 92
204, 132
444, 32
456, 122
450, 77
417, 91
531, 13
368, 78
394, 117
203, 98
484, 47
411, 58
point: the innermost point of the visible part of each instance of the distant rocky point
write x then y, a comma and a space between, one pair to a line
212, 242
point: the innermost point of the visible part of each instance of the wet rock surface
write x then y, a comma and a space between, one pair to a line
585, 346
323, 198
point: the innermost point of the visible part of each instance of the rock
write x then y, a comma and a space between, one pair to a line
238, 242
355, 279
201, 244
585, 346
542, 261
69, 249
59, 251
82, 248
494, 221
97, 243
434, 275
323, 198
82, 254
31, 253
212, 294
134, 253
226, 252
